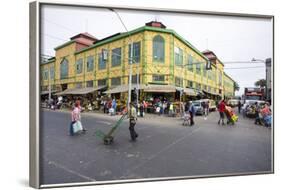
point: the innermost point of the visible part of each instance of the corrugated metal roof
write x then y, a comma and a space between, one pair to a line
160, 88
80, 91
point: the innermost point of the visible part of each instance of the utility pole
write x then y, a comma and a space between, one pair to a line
49, 77
130, 76
130, 60
267, 63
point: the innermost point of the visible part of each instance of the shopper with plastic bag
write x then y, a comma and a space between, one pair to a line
76, 125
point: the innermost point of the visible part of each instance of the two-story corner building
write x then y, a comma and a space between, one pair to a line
162, 61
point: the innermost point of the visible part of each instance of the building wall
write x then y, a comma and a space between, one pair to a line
228, 86
147, 66
154, 67
45, 78
66, 52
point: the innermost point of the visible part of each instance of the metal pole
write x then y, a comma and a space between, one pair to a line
138, 82
130, 77
181, 111
131, 59
49, 76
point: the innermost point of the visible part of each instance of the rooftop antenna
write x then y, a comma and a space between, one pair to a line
86, 25
156, 18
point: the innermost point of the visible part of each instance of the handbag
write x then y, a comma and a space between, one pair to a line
77, 126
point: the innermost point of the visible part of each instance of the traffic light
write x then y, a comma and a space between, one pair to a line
134, 95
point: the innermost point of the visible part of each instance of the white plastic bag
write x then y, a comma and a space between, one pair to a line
157, 109
77, 126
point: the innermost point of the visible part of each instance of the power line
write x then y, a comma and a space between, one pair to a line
240, 62
246, 67
54, 37
59, 25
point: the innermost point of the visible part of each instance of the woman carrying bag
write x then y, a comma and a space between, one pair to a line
76, 124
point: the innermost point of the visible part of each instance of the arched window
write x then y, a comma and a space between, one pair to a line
158, 48
64, 69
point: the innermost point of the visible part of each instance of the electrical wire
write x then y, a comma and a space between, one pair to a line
61, 26
54, 37
246, 67
241, 62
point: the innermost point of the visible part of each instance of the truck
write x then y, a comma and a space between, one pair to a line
254, 93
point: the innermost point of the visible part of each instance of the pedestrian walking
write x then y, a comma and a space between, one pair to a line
208, 107
256, 110
239, 106
145, 106
133, 121
105, 106
204, 106
171, 109
164, 106
221, 111
76, 124
191, 113
80, 110
168, 106
141, 109
161, 108
114, 106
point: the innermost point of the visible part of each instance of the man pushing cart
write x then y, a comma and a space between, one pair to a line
132, 115
232, 118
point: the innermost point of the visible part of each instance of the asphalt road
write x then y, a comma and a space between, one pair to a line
164, 148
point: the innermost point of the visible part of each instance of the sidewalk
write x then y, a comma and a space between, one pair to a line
101, 114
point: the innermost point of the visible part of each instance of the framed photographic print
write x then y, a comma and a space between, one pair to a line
134, 94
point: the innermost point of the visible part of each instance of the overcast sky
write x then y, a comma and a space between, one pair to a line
232, 39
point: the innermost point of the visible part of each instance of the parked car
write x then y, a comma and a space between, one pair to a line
198, 107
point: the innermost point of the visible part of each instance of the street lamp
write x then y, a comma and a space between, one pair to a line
267, 74
130, 59
49, 77
257, 60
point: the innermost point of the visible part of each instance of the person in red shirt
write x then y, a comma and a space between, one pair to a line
221, 111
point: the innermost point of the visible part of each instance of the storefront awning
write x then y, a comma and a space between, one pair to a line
215, 94
80, 91
123, 88
159, 88
190, 91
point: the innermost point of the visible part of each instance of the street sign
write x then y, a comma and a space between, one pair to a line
208, 65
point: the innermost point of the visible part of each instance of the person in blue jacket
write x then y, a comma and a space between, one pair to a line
191, 113
114, 106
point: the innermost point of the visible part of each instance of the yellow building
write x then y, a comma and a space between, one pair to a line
163, 62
